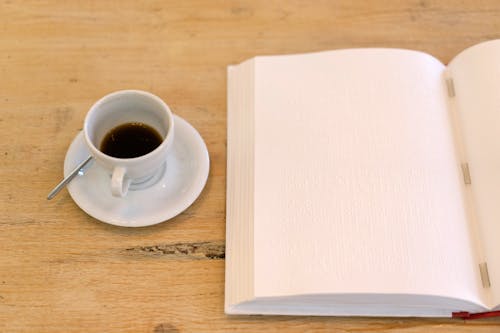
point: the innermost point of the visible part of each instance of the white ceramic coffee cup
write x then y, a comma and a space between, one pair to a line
122, 107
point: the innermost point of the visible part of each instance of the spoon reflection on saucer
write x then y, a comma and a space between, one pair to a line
78, 170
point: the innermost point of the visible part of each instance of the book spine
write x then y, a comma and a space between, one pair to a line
467, 179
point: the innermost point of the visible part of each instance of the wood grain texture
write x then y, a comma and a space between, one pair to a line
63, 271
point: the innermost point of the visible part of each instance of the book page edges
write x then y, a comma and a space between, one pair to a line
393, 305
239, 202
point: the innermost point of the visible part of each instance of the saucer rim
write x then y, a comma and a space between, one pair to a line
201, 178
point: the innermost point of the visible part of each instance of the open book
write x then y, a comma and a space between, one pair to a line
364, 182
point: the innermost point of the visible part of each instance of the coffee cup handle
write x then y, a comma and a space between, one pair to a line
119, 182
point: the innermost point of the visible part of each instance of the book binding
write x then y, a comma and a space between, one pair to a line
478, 315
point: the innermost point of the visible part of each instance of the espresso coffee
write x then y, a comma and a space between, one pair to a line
130, 140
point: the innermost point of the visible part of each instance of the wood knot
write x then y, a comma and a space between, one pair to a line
195, 250
165, 328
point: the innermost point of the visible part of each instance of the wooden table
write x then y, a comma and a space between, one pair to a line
63, 271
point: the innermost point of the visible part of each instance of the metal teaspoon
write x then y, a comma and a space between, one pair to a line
78, 169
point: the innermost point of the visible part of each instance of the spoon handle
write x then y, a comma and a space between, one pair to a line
70, 177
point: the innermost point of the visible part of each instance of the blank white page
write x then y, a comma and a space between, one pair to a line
357, 186
476, 76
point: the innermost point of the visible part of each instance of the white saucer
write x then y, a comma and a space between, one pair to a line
181, 183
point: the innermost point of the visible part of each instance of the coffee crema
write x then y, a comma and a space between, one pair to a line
130, 140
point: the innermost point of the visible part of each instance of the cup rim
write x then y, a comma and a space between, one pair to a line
97, 152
